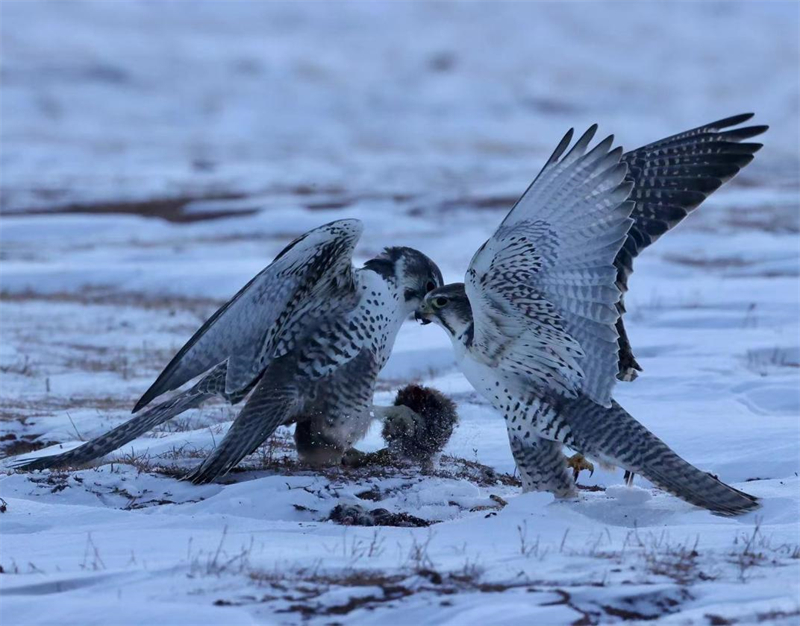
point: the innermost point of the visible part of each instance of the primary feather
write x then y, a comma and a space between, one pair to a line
542, 289
670, 179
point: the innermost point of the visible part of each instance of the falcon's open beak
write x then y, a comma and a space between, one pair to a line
420, 317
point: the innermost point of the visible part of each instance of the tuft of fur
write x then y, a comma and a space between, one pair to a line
424, 434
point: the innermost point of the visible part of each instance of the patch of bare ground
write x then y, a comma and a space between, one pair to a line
486, 203
12, 444
700, 261
757, 618
277, 456
202, 306
169, 209
313, 593
178, 209
770, 218
455, 467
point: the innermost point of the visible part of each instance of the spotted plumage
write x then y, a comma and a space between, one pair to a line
305, 339
536, 324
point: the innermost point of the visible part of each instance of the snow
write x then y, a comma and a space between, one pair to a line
424, 121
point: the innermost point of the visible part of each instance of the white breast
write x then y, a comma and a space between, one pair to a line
381, 311
482, 377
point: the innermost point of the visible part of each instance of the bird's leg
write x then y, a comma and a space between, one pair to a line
542, 465
629, 476
315, 447
578, 462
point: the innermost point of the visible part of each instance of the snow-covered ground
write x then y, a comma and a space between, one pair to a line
156, 155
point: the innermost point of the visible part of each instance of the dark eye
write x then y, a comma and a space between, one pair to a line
440, 302
430, 286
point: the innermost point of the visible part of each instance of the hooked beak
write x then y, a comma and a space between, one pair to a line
422, 314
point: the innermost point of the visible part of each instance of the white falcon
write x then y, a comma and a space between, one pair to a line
536, 325
305, 339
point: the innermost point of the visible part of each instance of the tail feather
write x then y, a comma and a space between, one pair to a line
133, 428
623, 441
267, 408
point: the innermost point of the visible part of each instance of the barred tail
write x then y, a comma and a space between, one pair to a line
100, 446
625, 442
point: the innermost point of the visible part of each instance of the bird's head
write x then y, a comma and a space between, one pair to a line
449, 307
412, 272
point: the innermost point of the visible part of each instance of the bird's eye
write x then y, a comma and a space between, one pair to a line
440, 302
430, 286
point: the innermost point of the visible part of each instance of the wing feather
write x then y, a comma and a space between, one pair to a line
671, 178
542, 289
246, 329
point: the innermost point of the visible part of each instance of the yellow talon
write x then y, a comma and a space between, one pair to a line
578, 462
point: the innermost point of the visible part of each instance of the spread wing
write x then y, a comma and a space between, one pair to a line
542, 289
671, 178
256, 323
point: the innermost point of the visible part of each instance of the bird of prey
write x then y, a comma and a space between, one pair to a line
536, 326
305, 339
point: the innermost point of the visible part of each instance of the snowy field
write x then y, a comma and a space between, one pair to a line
157, 155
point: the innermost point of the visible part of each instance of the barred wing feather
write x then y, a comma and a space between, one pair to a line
246, 330
671, 178
542, 289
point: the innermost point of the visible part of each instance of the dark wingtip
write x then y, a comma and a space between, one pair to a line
560, 148
143, 401
733, 120
589, 134
740, 134
757, 130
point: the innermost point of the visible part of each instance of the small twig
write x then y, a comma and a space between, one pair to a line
75, 427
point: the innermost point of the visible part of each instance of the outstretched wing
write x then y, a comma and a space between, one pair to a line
542, 289
249, 328
671, 178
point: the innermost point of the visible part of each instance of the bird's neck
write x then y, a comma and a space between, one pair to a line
461, 339
380, 291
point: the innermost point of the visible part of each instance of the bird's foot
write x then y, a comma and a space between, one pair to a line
578, 462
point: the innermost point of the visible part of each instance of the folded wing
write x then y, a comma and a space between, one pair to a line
542, 289
259, 320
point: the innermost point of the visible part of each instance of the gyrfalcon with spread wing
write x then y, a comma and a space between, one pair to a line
536, 326
305, 339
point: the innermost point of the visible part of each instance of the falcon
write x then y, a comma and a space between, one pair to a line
536, 326
304, 339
